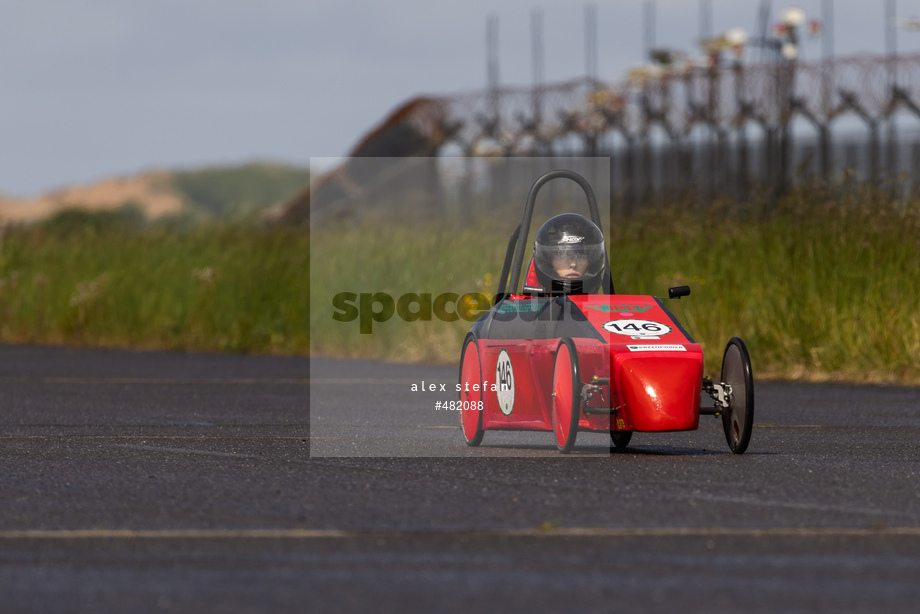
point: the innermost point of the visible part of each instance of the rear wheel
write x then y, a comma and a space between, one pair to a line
738, 417
566, 395
621, 438
471, 400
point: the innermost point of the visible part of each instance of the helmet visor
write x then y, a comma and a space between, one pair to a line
570, 262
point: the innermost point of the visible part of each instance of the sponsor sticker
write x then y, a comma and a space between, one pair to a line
656, 347
637, 329
521, 307
504, 377
621, 308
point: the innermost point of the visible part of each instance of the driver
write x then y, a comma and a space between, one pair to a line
569, 255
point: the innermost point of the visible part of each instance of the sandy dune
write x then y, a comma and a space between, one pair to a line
151, 191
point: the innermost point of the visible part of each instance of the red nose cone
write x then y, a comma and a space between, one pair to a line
662, 394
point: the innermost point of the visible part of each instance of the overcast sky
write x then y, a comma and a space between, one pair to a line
94, 88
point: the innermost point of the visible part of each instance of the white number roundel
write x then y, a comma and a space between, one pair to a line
504, 378
637, 328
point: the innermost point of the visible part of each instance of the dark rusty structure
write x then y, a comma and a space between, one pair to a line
417, 129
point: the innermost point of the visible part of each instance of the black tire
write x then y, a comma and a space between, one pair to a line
620, 439
471, 434
565, 418
738, 418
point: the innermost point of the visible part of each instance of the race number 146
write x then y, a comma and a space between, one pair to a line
637, 328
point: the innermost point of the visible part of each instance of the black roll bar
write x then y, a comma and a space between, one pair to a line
523, 230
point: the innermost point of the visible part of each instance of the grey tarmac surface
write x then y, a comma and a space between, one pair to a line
174, 482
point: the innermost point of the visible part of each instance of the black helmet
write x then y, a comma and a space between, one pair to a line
569, 255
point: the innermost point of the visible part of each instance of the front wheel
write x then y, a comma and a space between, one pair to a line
471, 399
566, 395
738, 417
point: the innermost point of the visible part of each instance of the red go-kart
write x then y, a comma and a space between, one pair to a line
601, 362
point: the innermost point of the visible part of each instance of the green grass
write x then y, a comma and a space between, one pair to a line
119, 283
819, 289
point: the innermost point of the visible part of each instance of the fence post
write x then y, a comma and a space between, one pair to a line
769, 159
629, 171
891, 153
915, 168
712, 109
849, 101
825, 146
741, 175
744, 112
902, 97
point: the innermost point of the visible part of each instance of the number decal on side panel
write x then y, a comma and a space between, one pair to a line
504, 377
637, 328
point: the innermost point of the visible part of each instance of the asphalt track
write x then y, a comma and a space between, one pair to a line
158, 482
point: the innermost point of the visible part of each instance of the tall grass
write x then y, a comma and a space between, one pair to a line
820, 289
120, 283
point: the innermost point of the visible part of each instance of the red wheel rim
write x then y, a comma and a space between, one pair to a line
469, 412
562, 395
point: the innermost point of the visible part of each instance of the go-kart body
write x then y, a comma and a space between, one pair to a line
649, 368
597, 362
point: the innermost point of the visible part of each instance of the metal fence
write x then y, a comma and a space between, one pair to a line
718, 131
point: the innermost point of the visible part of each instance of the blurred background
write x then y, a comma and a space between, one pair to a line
163, 164
94, 88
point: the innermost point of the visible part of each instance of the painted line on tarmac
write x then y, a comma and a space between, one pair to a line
163, 437
571, 532
245, 381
